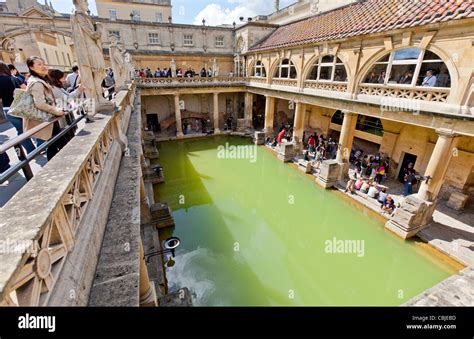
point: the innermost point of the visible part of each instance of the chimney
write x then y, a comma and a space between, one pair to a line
277, 5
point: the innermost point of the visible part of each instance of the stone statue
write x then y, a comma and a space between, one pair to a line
117, 60
129, 67
173, 68
9, 50
90, 58
215, 68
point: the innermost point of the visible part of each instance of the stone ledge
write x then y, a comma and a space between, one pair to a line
118, 268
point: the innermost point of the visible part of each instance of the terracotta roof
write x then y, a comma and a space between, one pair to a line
368, 17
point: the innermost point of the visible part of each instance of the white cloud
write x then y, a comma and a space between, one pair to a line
215, 14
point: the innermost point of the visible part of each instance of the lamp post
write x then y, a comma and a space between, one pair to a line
169, 245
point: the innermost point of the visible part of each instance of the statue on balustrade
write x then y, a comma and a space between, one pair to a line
173, 68
215, 68
129, 67
117, 60
88, 47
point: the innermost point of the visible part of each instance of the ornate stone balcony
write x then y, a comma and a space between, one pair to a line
190, 82
260, 80
285, 82
329, 86
435, 94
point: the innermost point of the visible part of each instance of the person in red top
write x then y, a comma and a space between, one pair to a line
280, 135
312, 143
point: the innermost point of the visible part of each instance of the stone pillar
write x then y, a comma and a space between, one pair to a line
269, 115
346, 137
416, 212
248, 109
147, 293
298, 128
145, 214
438, 165
216, 113
177, 112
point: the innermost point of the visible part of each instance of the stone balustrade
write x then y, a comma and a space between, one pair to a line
259, 80
435, 94
190, 82
325, 85
285, 82
52, 229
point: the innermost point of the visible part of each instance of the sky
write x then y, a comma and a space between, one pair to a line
215, 12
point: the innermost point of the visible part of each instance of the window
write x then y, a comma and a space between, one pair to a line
153, 38
69, 59
57, 58
220, 41
285, 70
64, 59
46, 58
187, 39
259, 70
328, 68
410, 67
159, 17
113, 14
116, 33
366, 124
135, 15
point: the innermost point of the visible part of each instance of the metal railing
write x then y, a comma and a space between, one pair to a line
25, 160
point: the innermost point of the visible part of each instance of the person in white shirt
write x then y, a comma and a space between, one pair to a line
373, 191
429, 80
71, 79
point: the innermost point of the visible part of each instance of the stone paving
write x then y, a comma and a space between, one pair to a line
457, 290
9, 188
15, 183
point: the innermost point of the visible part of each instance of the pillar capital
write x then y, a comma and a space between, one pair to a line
347, 112
446, 133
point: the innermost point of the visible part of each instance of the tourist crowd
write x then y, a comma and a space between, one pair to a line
180, 73
54, 94
432, 78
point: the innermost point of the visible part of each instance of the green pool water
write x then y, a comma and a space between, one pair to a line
259, 233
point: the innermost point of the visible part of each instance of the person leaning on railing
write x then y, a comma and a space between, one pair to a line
63, 98
43, 97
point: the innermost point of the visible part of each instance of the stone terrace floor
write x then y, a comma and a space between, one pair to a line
9, 188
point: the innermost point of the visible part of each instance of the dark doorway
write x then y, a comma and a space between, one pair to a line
152, 122
407, 158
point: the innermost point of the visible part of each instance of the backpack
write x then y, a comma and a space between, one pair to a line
23, 106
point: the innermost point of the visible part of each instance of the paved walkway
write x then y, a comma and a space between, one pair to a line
457, 290
9, 188
452, 233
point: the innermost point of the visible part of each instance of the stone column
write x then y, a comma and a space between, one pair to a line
269, 115
147, 293
177, 112
298, 128
346, 137
248, 109
438, 165
416, 211
145, 214
216, 113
